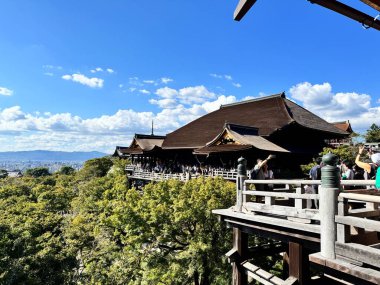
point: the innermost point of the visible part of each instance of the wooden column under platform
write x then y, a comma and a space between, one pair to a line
298, 263
240, 242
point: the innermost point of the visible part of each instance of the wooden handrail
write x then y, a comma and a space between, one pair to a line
374, 198
310, 182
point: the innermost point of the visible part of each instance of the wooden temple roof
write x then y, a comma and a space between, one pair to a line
344, 126
236, 138
267, 114
147, 142
140, 144
120, 151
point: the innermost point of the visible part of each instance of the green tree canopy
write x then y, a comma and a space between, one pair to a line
37, 172
3, 173
97, 167
373, 134
67, 170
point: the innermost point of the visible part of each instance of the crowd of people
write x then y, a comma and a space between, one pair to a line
171, 167
361, 169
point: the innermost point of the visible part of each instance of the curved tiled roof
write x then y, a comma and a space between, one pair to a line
344, 126
147, 142
268, 114
243, 138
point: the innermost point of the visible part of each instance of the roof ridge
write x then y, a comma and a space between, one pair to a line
282, 95
340, 122
240, 125
142, 136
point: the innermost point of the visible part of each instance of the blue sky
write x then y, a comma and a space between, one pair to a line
87, 75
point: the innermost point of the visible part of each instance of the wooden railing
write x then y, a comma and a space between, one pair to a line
353, 224
139, 173
354, 217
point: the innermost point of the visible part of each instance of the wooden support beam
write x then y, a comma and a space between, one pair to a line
299, 263
240, 241
375, 4
349, 12
242, 8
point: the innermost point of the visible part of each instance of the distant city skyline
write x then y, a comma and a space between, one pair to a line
83, 76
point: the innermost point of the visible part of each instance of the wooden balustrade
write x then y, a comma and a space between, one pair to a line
339, 227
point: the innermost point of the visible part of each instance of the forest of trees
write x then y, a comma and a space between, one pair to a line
86, 227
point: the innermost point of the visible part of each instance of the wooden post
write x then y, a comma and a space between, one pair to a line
300, 203
343, 231
299, 263
240, 240
328, 204
240, 178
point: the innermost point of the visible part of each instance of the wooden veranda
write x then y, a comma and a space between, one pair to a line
340, 238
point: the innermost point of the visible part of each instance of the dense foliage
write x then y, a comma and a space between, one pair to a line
87, 227
373, 134
344, 152
37, 172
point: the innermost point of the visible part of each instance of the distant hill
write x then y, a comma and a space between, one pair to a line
45, 155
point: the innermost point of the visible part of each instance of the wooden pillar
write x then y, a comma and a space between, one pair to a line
299, 263
240, 178
240, 240
328, 204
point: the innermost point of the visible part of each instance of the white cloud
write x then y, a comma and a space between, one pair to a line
320, 99
166, 80
52, 67
215, 105
12, 114
97, 69
312, 95
144, 91
121, 85
110, 70
164, 103
248, 98
197, 94
65, 131
216, 75
93, 82
49, 73
262, 94
149, 81
132, 89
5, 91
167, 92
135, 81
221, 76
187, 95
237, 85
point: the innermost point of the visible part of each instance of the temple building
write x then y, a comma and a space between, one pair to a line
346, 127
253, 129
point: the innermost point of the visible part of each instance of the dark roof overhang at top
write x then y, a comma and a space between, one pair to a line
268, 114
346, 10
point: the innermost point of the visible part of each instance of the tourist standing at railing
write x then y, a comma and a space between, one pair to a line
315, 172
258, 173
348, 173
370, 169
